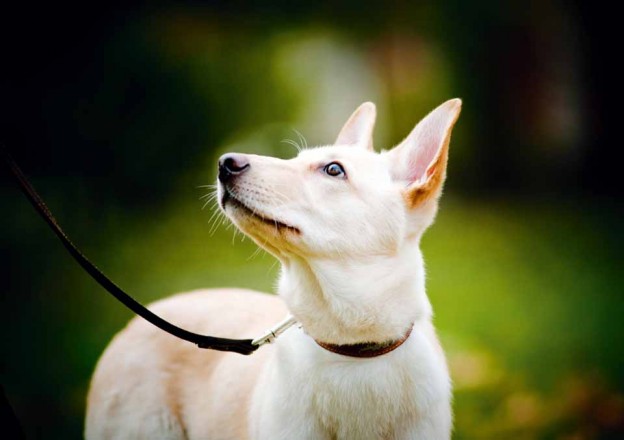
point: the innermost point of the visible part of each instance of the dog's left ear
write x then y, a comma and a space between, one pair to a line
420, 160
358, 130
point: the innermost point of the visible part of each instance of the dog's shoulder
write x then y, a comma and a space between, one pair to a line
146, 372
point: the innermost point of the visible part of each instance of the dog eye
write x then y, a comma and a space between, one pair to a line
334, 169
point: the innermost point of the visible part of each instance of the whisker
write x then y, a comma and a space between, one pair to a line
302, 138
207, 203
218, 222
216, 212
211, 195
272, 266
254, 253
293, 143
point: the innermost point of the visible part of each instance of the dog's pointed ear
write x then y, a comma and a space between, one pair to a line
420, 160
358, 130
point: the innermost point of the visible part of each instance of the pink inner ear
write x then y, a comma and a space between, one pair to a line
424, 154
354, 130
421, 148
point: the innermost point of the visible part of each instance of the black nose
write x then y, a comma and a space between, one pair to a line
232, 164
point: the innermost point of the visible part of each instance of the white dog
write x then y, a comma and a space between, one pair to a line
345, 223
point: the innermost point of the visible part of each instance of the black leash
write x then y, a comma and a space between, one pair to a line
242, 346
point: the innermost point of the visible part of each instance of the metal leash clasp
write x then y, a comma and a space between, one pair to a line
271, 334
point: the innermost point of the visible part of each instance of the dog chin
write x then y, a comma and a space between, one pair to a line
253, 223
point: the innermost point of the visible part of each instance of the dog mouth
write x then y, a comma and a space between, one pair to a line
228, 197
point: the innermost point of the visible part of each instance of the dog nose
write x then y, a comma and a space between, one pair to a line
232, 164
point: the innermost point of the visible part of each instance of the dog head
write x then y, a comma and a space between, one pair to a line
344, 200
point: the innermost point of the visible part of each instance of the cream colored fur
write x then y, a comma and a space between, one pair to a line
352, 271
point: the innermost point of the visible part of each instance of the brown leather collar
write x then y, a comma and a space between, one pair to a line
366, 349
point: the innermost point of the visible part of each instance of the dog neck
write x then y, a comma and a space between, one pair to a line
359, 300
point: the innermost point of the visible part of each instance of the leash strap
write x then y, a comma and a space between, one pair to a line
242, 346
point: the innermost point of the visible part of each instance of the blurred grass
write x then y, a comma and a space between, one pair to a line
526, 294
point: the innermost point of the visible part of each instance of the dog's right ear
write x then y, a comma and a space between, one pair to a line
358, 130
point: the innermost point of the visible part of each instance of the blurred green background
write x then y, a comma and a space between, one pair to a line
119, 111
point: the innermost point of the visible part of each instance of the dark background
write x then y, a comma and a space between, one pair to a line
118, 111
